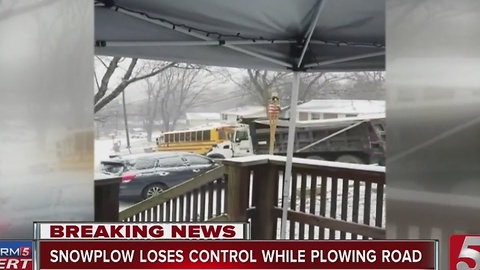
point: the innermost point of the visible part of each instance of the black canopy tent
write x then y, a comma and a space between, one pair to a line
280, 35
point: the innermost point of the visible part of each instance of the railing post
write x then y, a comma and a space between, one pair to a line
238, 189
106, 198
265, 198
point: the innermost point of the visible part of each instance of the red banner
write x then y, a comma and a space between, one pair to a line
237, 255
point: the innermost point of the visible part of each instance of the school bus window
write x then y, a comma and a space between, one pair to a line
182, 137
187, 136
206, 135
199, 136
221, 134
175, 137
194, 136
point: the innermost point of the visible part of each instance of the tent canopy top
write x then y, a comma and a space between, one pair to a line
300, 35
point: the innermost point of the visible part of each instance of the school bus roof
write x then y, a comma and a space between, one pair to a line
203, 128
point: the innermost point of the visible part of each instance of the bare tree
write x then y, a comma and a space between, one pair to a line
312, 85
131, 74
176, 90
369, 85
152, 105
260, 85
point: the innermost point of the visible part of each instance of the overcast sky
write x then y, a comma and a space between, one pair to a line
137, 91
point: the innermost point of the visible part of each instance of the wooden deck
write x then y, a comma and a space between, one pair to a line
329, 200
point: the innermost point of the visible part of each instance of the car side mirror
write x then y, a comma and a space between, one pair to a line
237, 140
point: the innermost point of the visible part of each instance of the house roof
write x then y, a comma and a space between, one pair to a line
244, 111
343, 106
202, 116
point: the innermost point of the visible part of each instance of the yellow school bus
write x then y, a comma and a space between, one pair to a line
199, 141
75, 151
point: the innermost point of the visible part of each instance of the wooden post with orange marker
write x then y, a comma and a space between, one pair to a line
273, 114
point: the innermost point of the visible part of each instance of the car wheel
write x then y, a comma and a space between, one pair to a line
153, 190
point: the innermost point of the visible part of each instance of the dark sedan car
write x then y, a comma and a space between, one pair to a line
152, 174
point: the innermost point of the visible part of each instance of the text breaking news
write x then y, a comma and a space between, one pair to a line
16, 255
141, 231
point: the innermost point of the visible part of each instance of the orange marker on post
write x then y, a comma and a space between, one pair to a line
273, 113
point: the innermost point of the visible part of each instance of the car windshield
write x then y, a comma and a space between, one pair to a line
114, 168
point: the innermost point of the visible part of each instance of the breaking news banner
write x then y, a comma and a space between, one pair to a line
141, 231
228, 254
465, 252
16, 255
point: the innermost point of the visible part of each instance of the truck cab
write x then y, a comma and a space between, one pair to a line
239, 145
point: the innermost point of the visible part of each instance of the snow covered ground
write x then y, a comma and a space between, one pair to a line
103, 149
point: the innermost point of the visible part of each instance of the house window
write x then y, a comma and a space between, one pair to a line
330, 115
224, 117
315, 116
303, 116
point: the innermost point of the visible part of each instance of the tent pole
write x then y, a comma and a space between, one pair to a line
345, 59
291, 143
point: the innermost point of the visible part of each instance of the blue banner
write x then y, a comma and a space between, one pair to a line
16, 249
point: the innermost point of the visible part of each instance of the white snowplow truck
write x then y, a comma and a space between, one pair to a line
358, 140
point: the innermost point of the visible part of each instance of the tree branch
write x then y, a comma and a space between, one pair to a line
101, 97
156, 72
101, 61
102, 90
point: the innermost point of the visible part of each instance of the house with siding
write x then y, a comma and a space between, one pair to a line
232, 115
194, 119
337, 108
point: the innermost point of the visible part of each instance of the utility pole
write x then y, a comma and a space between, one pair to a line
116, 122
125, 119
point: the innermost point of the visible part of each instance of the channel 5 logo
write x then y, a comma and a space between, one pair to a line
465, 252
